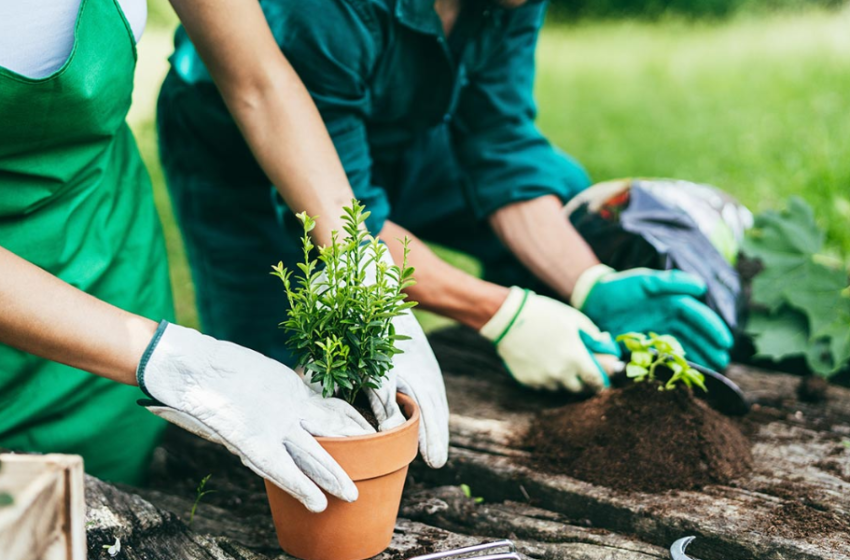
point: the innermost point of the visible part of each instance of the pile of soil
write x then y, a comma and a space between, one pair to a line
640, 438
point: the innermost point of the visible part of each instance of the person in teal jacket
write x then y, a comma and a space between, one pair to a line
430, 108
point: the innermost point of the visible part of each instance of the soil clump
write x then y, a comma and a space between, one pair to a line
640, 439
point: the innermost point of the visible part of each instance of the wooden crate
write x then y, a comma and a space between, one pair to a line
46, 520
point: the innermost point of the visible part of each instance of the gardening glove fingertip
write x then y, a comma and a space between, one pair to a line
315, 502
435, 455
312, 498
677, 282
434, 439
601, 343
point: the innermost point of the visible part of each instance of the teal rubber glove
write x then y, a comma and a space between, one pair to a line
665, 302
546, 344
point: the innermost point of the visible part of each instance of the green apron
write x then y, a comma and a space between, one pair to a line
75, 199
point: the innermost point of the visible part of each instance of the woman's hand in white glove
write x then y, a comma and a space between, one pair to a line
417, 374
256, 407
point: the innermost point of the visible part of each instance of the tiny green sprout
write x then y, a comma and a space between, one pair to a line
649, 352
846, 443
340, 317
200, 492
467, 491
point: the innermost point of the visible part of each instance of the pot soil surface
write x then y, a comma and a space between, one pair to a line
641, 439
361, 405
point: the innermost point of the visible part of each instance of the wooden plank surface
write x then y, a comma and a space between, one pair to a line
801, 466
799, 456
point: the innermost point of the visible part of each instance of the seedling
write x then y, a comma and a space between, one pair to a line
200, 492
650, 352
340, 322
467, 491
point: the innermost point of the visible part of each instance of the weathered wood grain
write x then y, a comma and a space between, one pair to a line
798, 452
799, 456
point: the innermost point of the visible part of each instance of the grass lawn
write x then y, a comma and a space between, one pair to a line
757, 106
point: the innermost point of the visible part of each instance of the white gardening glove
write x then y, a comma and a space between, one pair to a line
546, 344
256, 407
417, 374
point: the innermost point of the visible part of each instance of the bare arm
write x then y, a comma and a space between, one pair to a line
271, 106
544, 240
43, 315
442, 288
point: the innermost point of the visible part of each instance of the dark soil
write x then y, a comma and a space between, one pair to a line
801, 516
640, 439
812, 389
361, 404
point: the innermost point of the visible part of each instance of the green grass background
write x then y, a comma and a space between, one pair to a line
758, 105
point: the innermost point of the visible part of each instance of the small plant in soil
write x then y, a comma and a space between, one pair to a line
649, 436
340, 319
200, 492
653, 351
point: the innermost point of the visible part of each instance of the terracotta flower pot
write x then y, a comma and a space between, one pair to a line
377, 464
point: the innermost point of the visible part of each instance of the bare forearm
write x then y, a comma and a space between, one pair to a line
442, 288
44, 316
544, 240
289, 140
271, 106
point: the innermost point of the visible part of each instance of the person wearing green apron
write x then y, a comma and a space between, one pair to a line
84, 276
75, 200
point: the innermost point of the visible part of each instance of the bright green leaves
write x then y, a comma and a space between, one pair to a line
650, 352
342, 305
800, 301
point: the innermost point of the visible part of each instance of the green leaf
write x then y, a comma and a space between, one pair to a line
642, 358
779, 335
801, 308
634, 370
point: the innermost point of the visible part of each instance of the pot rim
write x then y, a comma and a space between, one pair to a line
400, 397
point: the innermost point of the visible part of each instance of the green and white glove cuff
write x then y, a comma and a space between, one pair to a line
140, 369
499, 325
586, 282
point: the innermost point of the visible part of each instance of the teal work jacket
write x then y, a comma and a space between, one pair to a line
382, 71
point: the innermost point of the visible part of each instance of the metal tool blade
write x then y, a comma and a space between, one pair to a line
677, 549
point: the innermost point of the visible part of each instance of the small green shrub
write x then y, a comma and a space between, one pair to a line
650, 352
339, 324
